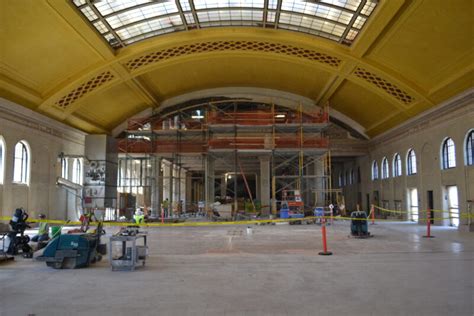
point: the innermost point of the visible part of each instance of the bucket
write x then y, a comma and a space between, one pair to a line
55, 231
284, 213
319, 211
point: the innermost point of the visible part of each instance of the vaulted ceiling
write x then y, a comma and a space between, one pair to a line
409, 57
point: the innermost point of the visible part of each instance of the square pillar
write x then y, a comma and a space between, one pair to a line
265, 184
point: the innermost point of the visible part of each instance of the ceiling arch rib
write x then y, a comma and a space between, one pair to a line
218, 49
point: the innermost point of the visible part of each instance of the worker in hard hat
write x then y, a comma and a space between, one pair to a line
139, 216
43, 230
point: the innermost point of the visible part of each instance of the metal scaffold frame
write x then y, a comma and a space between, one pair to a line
229, 135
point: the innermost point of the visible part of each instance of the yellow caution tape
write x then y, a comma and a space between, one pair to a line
246, 222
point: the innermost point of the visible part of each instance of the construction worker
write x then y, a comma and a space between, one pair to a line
165, 206
43, 230
139, 216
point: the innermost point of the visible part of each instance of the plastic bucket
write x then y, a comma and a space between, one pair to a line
319, 211
284, 213
55, 231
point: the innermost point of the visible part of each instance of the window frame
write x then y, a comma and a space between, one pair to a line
469, 142
411, 162
25, 163
64, 167
385, 168
448, 154
77, 174
397, 169
375, 170
3, 151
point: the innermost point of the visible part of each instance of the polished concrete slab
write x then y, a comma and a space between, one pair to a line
275, 270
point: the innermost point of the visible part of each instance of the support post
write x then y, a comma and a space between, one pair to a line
372, 212
428, 224
325, 251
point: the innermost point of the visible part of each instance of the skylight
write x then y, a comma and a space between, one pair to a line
123, 22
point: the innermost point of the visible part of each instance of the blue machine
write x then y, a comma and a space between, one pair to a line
72, 251
359, 225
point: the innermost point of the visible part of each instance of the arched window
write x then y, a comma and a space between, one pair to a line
411, 162
397, 165
341, 180
21, 166
470, 148
351, 177
2, 159
375, 170
64, 168
77, 171
385, 172
448, 151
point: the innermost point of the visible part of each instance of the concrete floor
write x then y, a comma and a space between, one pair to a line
276, 270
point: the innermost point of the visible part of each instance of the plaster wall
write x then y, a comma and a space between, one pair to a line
46, 139
425, 136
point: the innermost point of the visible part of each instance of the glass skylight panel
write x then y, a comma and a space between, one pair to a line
359, 22
111, 6
101, 27
271, 16
369, 7
208, 4
347, 4
185, 5
272, 4
90, 15
135, 20
189, 18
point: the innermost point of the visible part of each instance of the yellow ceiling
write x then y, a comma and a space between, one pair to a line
411, 56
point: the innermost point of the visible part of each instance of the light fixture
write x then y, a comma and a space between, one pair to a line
198, 115
280, 116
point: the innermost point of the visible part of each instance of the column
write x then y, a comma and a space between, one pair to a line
265, 184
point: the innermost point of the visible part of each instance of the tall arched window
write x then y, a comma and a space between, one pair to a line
385, 171
397, 165
351, 177
77, 171
470, 148
341, 179
448, 151
2, 159
64, 168
375, 170
21, 166
411, 162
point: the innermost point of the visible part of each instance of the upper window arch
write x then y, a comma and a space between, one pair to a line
77, 171
64, 168
123, 22
2, 158
469, 148
385, 169
21, 166
375, 170
397, 165
448, 154
411, 162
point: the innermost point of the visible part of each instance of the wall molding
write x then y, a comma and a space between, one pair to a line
444, 113
27, 118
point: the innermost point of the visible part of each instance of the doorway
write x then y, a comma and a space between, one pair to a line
453, 205
431, 205
413, 204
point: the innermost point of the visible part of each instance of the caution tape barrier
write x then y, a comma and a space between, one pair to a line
190, 224
406, 212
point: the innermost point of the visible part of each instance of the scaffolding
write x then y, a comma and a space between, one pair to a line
214, 144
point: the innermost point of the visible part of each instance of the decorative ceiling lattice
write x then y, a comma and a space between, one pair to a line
206, 47
86, 87
383, 84
123, 22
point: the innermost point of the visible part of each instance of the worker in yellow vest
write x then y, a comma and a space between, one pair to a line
139, 216
43, 230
